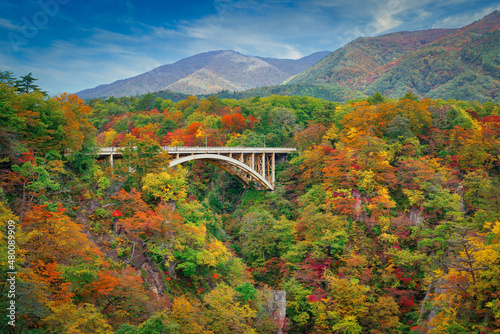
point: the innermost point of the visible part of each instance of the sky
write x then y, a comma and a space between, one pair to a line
70, 45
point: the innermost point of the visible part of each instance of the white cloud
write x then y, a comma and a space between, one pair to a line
273, 28
9, 25
460, 20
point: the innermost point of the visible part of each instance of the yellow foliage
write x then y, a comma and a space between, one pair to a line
215, 254
414, 196
346, 300
71, 319
385, 223
7, 216
109, 137
367, 180
151, 127
496, 230
485, 255
438, 273
389, 238
225, 314
189, 315
332, 134
165, 185
384, 315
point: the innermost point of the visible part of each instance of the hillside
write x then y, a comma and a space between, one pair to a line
385, 220
333, 93
438, 63
207, 73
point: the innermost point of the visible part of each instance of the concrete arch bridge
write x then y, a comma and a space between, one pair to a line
247, 164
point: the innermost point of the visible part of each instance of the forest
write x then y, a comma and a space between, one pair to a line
386, 220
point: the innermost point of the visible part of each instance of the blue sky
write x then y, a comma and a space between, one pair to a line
70, 45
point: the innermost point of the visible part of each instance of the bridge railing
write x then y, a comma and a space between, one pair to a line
221, 149
209, 149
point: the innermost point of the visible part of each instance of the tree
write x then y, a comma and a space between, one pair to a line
157, 324
7, 77
344, 306
189, 315
167, 185
417, 112
376, 98
43, 121
78, 132
53, 236
225, 314
233, 123
26, 84
312, 163
144, 155
312, 135
145, 102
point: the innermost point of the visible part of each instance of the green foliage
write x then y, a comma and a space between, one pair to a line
247, 291
155, 325
384, 221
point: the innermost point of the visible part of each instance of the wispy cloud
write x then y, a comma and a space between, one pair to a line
78, 50
461, 20
4, 23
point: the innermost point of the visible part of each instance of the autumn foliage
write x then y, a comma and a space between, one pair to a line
384, 221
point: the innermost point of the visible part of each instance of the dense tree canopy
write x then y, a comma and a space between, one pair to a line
386, 220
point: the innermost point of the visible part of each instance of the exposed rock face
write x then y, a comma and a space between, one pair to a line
416, 216
153, 279
277, 308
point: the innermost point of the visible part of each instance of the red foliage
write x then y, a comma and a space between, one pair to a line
171, 138
190, 138
116, 213
27, 156
119, 140
234, 123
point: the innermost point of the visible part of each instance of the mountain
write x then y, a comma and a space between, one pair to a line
459, 63
208, 73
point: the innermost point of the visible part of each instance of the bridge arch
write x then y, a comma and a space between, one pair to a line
247, 164
242, 172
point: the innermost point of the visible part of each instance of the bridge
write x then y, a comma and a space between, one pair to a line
248, 164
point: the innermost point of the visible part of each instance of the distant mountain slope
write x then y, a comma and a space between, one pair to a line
439, 63
207, 73
294, 66
332, 93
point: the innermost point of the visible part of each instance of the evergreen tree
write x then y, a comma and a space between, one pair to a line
7, 77
26, 84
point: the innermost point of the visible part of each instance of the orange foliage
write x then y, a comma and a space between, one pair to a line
341, 171
143, 223
234, 123
175, 138
191, 135
313, 163
175, 116
50, 277
312, 135
53, 236
131, 202
76, 127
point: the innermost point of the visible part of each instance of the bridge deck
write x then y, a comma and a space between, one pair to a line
257, 164
105, 151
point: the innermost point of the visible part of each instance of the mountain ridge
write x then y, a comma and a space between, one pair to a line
229, 70
460, 63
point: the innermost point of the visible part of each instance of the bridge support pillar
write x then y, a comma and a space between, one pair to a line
264, 165
273, 172
111, 159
